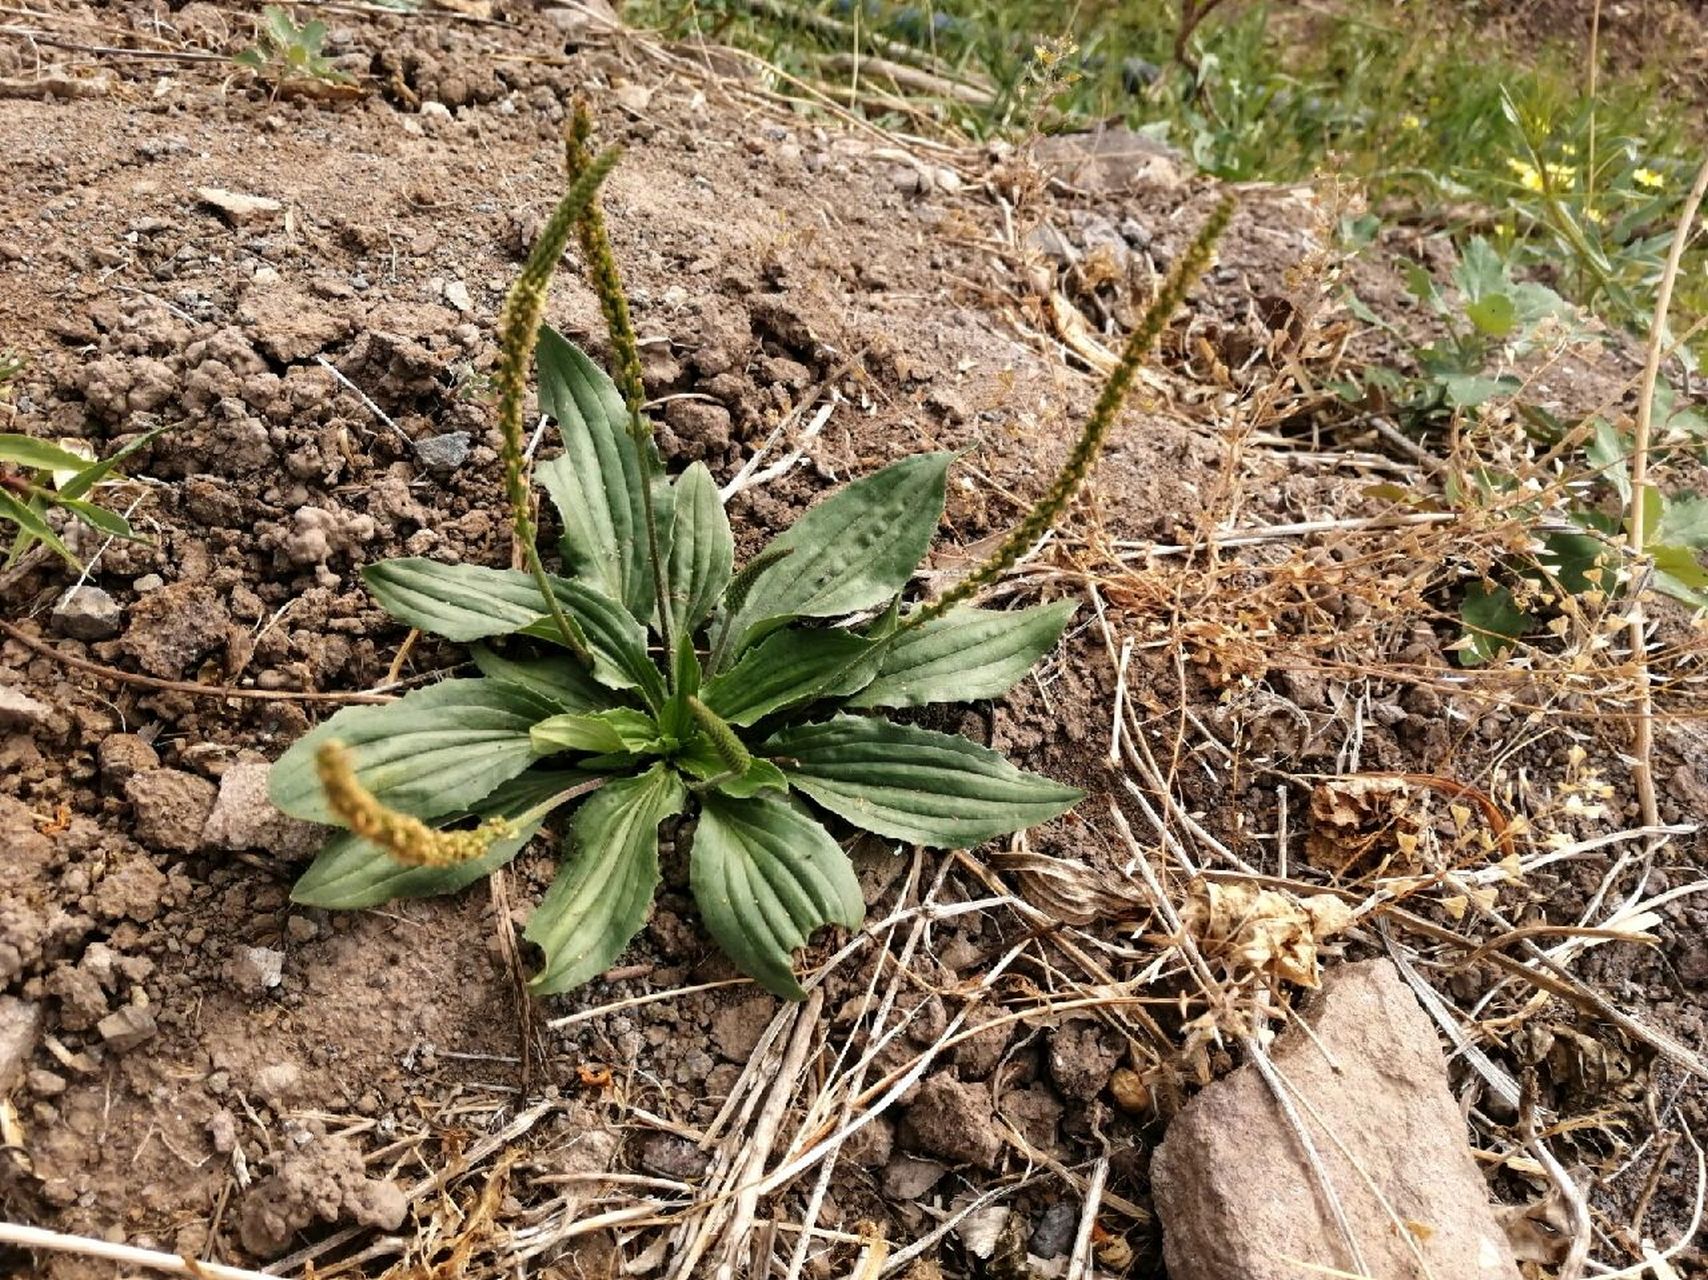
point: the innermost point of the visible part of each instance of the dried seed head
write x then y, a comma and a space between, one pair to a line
407, 839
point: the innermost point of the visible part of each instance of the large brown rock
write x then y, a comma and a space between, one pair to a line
1238, 1201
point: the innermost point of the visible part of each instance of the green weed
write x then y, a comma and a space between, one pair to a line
284, 51
36, 477
1464, 381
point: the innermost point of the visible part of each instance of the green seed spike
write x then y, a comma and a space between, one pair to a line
735, 595
614, 303
519, 325
1042, 517
736, 757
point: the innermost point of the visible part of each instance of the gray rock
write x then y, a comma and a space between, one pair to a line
1105, 161
1053, 1235
87, 613
1237, 1200
20, 1030
457, 294
129, 1027
443, 453
222, 1132
244, 818
255, 970
670, 1156
580, 19
1050, 242
19, 711
1135, 233
907, 1178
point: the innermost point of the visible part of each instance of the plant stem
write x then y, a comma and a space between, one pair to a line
519, 326
608, 284
1043, 516
1636, 531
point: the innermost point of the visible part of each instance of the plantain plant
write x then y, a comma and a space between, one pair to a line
651, 679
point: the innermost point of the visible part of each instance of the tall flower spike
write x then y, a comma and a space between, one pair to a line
614, 303
518, 327
407, 839
1042, 517
602, 274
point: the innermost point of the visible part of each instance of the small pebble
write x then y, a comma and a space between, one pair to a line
86, 613
129, 1027
1055, 1230
20, 711
256, 969
443, 453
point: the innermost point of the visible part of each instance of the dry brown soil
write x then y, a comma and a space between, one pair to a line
779, 260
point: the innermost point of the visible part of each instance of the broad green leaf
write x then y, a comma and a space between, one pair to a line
598, 733
854, 550
761, 775
765, 876
1493, 623
437, 750
1421, 285
964, 655
561, 680
1608, 452
99, 518
38, 455
350, 872
279, 26
31, 525
1683, 521
1467, 391
1679, 574
466, 602
1494, 314
1572, 558
782, 670
595, 484
912, 784
605, 884
1480, 270
702, 550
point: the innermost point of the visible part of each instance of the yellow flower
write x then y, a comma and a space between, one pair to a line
1528, 178
1593, 215
1568, 149
1561, 175
1648, 178
1410, 121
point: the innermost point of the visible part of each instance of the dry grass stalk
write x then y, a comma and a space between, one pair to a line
1642, 747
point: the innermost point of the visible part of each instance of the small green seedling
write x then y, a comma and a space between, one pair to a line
284, 51
36, 476
652, 679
